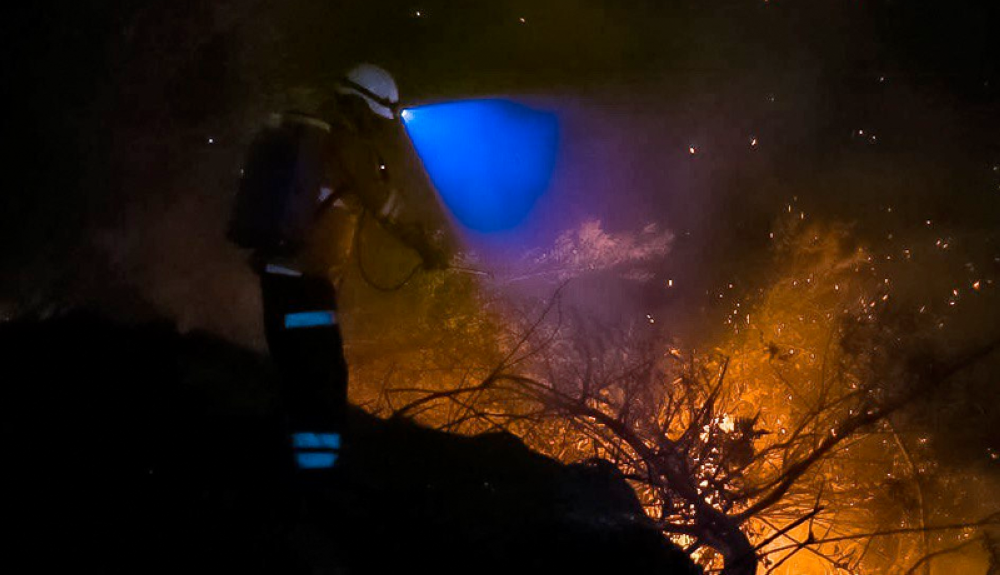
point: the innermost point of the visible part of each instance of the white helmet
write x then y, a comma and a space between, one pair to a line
373, 84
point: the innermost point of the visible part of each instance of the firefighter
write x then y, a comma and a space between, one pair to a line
307, 181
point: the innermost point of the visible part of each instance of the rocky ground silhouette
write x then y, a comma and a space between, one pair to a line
137, 449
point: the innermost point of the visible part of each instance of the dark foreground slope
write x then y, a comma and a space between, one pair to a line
139, 450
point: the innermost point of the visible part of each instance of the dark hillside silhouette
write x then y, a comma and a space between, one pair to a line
135, 449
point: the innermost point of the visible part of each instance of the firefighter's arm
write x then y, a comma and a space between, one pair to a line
423, 241
386, 203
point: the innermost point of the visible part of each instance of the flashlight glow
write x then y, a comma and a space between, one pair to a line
490, 160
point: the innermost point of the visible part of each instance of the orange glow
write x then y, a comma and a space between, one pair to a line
791, 381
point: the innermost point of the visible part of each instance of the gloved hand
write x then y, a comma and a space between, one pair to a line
434, 258
427, 245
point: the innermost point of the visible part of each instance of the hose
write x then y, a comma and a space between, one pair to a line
361, 266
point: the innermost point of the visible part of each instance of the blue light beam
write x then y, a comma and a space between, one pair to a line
490, 160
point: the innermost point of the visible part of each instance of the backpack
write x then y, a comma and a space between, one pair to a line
279, 190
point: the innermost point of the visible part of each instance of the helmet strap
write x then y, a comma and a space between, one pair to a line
393, 106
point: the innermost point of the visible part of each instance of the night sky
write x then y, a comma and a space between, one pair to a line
709, 118
847, 106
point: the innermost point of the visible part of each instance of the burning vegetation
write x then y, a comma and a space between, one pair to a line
791, 439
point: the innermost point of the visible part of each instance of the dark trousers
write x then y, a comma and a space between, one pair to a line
303, 335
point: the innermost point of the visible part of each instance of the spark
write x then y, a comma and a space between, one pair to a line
975, 285
692, 150
726, 423
211, 140
753, 142
670, 283
521, 20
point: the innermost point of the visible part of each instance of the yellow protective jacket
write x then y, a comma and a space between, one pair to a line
358, 177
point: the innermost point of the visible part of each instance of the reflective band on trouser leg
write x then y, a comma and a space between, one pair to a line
315, 460
306, 440
315, 450
310, 319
